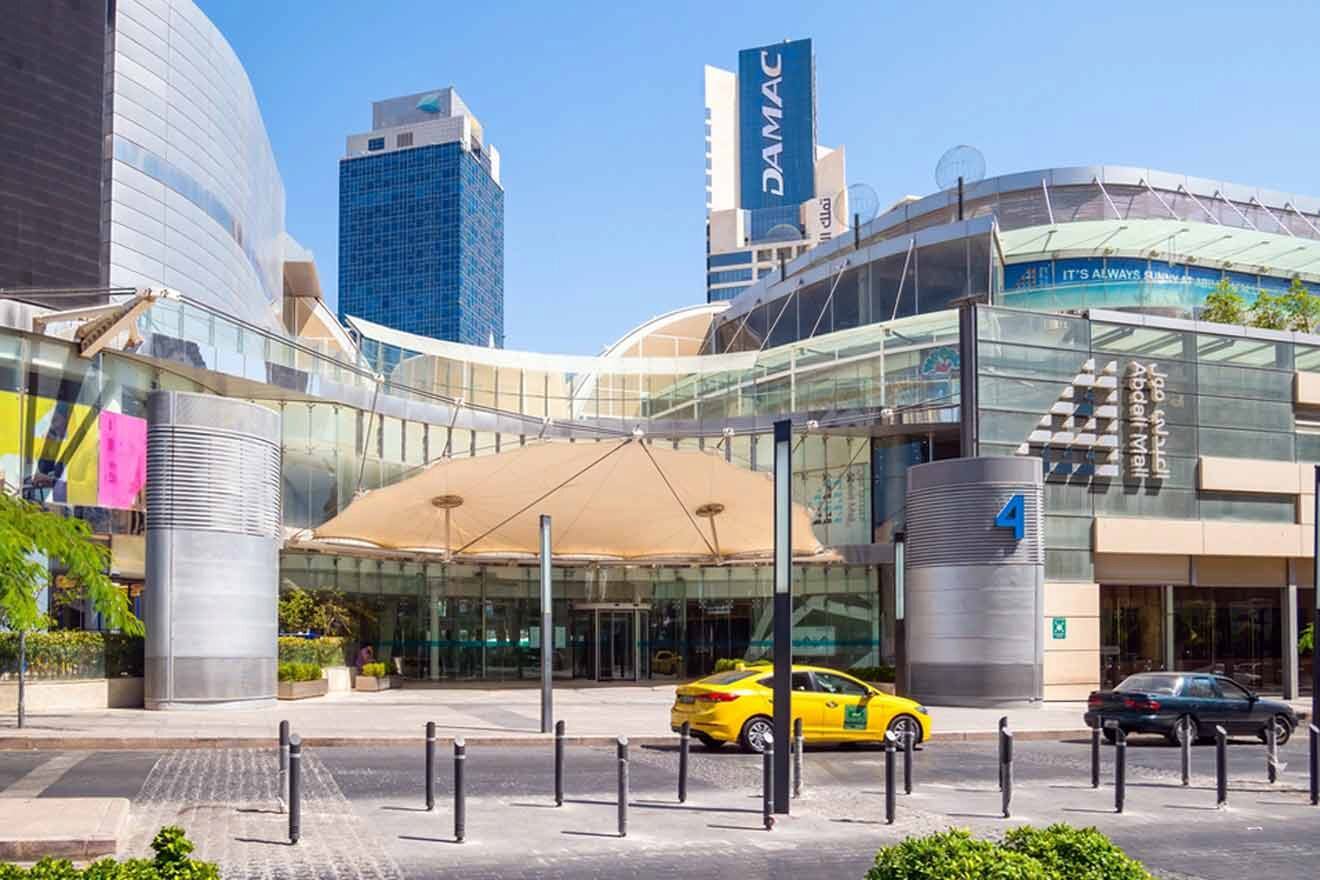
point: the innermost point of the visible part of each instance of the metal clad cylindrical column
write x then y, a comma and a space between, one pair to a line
975, 579
559, 763
684, 746
890, 793
1221, 767
430, 766
621, 745
213, 541
1095, 756
460, 793
1120, 770
798, 743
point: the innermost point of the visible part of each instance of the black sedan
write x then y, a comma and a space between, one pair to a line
1156, 702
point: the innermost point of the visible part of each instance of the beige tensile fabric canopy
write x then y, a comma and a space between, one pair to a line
620, 499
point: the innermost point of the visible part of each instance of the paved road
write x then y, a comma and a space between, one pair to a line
363, 811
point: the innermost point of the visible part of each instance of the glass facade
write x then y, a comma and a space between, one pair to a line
421, 243
195, 201
452, 621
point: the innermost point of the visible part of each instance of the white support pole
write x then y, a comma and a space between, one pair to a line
547, 633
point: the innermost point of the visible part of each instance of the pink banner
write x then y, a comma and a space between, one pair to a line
122, 471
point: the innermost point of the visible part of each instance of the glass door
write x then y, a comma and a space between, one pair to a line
616, 646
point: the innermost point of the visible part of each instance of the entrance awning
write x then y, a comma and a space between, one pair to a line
617, 500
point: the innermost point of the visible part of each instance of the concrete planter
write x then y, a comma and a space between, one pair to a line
374, 683
93, 693
339, 677
302, 690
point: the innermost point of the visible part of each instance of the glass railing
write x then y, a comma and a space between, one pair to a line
907, 363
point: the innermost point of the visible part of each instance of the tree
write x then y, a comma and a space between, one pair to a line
1303, 308
1306, 639
1269, 312
1224, 305
324, 611
28, 535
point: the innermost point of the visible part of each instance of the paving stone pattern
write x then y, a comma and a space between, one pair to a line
227, 801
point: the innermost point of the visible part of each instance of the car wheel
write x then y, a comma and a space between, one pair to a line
901, 725
756, 732
1282, 730
1175, 736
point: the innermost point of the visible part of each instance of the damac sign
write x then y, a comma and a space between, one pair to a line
1148, 431
772, 111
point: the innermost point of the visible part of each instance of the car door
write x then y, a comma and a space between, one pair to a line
846, 708
1202, 702
808, 703
1237, 707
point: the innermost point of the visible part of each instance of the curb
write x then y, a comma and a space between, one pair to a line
170, 743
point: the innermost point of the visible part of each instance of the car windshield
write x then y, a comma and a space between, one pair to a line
728, 677
1150, 684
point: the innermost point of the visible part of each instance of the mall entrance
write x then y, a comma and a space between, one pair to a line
608, 641
1232, 631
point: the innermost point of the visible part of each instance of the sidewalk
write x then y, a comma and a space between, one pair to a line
592, 715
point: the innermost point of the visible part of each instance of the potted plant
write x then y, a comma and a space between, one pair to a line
298, 681
373, 677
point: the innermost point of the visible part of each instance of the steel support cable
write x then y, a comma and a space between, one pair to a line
692, 519
540, 498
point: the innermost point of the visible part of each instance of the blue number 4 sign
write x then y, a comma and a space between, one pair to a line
1012, 516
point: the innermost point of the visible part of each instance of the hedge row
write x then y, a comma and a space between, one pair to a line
171, 862
73, 654
1059, 852
299, 672
323, 651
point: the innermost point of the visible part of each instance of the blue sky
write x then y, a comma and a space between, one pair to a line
596, 109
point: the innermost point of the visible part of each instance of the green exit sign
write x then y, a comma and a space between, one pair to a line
1059, 627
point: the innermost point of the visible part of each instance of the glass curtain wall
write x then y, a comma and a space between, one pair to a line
458, 621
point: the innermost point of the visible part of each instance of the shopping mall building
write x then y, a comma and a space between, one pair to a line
1048, 323
1175, 517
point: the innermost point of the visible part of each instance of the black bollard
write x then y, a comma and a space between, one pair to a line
1006, 769
768, 782
623, 785
430, 766
1315, 765
1221, 767
798, 741
908, 738
460, 796
1095, 756
284, 764
295, 788
1003, 726
1185, 746
559, 763
684, 746
1272, 753
1120, 770
891, 805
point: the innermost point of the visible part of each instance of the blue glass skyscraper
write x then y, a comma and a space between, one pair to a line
421, 222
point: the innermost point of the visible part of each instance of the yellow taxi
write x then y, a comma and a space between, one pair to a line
738, 706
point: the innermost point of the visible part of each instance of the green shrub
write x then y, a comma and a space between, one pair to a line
882, 673
72, 654
726, 664
1068, 853
299, 672
324, 651
952, 855
1058, 852
172, 862
374, 670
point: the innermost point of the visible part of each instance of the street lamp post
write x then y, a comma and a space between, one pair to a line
783, 645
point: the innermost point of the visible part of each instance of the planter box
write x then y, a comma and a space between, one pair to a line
339, 677
373, 683
93, 693
302, 690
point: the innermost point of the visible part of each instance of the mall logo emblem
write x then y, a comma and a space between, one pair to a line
1079, 435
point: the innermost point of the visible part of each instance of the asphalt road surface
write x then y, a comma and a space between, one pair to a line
363, 809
